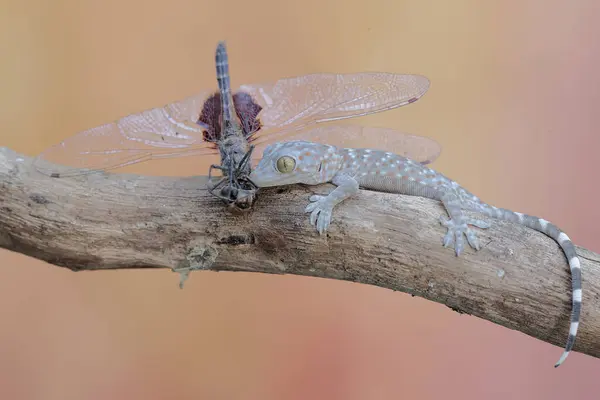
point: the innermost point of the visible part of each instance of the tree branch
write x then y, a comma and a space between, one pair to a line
519, 279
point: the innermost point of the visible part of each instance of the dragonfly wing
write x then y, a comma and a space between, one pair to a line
163, 132
294, 103
418, 148
172, 131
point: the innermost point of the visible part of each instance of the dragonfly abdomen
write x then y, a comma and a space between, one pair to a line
230, 120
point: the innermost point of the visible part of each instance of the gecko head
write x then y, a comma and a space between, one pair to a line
289, 163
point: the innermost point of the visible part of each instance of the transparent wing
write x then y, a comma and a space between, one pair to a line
418, 148
163, 132
295, 103
171, 131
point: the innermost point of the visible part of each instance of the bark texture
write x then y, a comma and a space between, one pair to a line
519, 279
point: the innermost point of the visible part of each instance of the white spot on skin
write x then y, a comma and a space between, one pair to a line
573, 328
574, 263
563, 357
500, 273
577, 295
562, 238
521, 217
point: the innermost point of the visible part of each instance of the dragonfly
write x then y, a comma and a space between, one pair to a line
231, 129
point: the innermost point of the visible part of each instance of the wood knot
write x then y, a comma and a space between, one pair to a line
238, 239
197, 258
39, 199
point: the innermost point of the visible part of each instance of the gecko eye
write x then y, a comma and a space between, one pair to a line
285, 164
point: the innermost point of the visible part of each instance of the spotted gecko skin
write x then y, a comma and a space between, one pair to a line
351, 169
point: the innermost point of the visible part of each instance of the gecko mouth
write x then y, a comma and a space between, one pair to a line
252, 182
266, 180
253, 179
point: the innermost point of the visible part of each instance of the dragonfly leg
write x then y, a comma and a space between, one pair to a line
210, 184
241, 176
212, 187
225, 192
230, 172
245, 160
239, 190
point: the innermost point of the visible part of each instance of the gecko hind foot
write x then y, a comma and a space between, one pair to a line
456, 230
321, 210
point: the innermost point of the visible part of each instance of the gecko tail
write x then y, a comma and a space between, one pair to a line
552, 231
563, 357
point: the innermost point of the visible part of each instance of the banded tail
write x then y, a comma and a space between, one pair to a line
552, 231
230, 121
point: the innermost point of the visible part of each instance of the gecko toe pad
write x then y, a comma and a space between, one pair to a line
458, 230
321, 210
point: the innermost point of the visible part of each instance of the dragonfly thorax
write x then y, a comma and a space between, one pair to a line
233, 148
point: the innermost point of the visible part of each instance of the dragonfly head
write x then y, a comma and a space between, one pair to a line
295, 162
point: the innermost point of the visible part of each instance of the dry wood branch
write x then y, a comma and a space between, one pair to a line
519, 279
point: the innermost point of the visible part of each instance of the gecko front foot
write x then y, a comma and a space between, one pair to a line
456, 230
321, 208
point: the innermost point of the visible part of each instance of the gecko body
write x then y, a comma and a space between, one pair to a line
352, 169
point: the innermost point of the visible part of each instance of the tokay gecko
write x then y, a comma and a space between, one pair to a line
350, 169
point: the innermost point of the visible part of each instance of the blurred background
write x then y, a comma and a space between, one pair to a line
514, 103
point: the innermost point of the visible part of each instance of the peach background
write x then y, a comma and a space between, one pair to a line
514, 102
